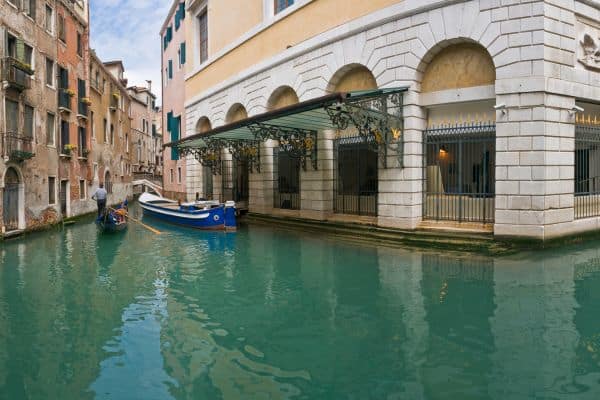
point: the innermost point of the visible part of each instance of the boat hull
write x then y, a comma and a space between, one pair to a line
217, 218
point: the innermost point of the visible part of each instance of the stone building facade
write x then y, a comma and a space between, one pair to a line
110, 130
73, 101
143, 114
499, 116
174, 58
28, 166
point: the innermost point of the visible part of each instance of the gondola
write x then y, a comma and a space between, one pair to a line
113, 220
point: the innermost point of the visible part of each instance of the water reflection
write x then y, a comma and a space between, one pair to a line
275, 314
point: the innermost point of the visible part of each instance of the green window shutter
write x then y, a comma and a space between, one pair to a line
175, 122
177, 20
169, 34
182, 11
169, 120
170, 69
165, 41
182, 53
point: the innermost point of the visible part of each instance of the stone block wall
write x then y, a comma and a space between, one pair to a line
534, 47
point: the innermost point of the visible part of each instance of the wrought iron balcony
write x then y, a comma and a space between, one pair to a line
64, 100
17, 147
16, 73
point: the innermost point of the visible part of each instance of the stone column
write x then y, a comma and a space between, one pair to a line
535, 143
401, 189
261, 183
316, 187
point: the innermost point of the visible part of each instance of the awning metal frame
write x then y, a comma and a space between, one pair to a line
377, 115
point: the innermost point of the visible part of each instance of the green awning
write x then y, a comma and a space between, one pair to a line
371, 112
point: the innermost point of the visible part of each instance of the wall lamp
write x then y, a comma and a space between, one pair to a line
501, 107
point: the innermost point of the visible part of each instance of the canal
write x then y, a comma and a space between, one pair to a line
275, 314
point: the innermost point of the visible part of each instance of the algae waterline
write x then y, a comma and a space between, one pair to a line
280, 314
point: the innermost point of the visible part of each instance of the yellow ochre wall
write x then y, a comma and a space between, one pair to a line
316, 17
230, 19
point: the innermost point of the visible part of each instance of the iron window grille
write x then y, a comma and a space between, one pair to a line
459, 176
587, 169
286, 184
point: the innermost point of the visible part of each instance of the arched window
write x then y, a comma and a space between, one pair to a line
355, 157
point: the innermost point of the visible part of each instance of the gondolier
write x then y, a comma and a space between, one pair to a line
100, 197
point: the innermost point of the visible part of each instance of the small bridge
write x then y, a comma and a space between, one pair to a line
143, 184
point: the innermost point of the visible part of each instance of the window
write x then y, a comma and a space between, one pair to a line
82, 141
93, 123
281, 5
50, 129
203, 32
12, 116
81, 189
170, 69
51, 190
95, 171
49, 23
178, 174
171, 175
105, 131
286, 169
64, 135
49, 72
28, 114
127, 143
181, 54
112, 134
79, 45
29, 6
62, 34
27, 54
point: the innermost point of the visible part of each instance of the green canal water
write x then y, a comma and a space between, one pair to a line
274, 314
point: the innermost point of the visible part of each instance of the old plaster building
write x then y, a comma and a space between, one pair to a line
75, 169
174, 58
28, 166
110, 127
143, 114
494, 131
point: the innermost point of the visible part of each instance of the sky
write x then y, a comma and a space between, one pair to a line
128, 30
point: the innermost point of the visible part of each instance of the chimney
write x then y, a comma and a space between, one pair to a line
149, 85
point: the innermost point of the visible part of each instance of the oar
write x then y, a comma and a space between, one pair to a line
151, 229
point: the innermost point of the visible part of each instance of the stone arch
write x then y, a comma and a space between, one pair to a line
352, 77
203, 125
451, 65
281, 97
236, 112
12, 175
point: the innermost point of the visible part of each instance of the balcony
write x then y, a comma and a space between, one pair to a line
65, 100
16, 73
17, 147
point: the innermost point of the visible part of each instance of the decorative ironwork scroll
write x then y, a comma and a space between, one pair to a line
241, 149
379, 118
208, 156
299, 143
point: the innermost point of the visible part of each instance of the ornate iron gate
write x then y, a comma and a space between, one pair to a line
459, 176
355, 176
11, 206
286, 186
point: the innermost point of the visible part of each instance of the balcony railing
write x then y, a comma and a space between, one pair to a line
64, 99
16, 73
17, 147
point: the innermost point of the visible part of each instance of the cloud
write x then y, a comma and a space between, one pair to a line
128, 30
